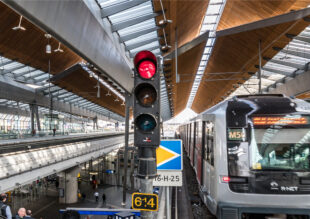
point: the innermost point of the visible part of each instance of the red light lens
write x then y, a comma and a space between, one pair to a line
147, 69
225, 178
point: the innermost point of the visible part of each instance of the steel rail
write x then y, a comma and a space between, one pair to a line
26, 146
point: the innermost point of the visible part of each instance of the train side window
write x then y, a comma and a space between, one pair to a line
209, 143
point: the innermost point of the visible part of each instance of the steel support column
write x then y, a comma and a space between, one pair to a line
128, 104
32, 118
36, 110
118, 169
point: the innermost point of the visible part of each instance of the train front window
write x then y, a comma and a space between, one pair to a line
280, 148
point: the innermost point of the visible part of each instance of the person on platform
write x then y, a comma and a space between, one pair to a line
103, 199
5, 210
21, 214
96, 194
29, 214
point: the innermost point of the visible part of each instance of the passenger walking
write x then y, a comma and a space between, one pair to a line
83, 196
5, 210
96, 196
29, 214
21, 214
103, 199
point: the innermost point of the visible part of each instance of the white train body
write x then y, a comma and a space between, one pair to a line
251, 155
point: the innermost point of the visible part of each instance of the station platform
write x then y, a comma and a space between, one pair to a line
57, 137
45, 204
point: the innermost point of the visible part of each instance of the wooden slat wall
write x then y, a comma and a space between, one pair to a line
239, 53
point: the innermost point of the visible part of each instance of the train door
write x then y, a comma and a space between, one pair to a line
189, 139
202, 171
193, 144
199, 150
186, 137
209, 158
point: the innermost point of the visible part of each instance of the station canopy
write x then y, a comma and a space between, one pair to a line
211, 51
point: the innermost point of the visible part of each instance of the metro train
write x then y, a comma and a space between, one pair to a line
251, 155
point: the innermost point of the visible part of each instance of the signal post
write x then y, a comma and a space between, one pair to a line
147, 127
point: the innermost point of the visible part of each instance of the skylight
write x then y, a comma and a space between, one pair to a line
211, 20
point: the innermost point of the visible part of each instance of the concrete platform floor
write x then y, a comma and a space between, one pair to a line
46, 205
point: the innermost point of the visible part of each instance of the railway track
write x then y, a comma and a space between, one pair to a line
27, 144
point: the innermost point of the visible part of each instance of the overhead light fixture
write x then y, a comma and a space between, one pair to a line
19, 27
48, 48
116, 100
165, 48
58, 49
98, 90
164, 23
108, 94
123, 104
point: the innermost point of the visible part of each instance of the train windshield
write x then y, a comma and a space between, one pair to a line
280, 143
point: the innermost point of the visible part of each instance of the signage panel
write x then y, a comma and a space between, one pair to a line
168, 178
169, 155
144, 201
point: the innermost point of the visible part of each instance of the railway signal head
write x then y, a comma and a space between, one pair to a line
146, 100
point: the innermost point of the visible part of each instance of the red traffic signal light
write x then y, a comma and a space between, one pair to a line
146, 64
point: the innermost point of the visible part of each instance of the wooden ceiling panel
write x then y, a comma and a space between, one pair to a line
186, 15
81, 84
239, 12
28, 47
305, 95
187, 66
239, 53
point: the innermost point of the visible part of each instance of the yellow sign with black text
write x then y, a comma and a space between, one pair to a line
144, 201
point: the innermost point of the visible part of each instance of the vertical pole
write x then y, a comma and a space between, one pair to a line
176, 56
32, 118
118, 177
127, 100
176, 202
146, 187
168, 216
132, 167
260, 68
36, 108
103, 169
98, 168
18, 121
50, 94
